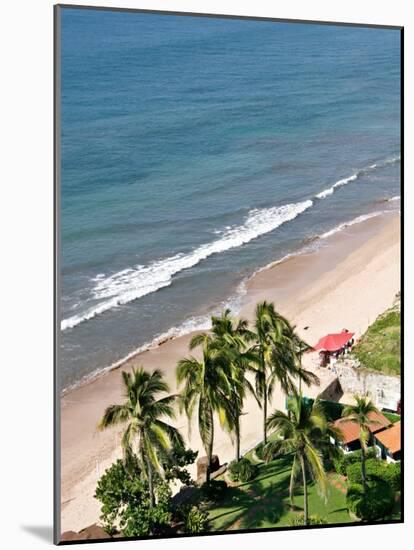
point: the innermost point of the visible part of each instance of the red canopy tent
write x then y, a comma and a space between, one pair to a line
333, 342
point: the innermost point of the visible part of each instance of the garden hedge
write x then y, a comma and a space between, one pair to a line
242, 470
377, 504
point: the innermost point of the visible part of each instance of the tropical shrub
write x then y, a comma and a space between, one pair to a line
299, 519
342, 462
374, 470
213, 491
142, 520
258, 451
242, 471
125, 499
377, 470
174, 462
196, 520
392, 475
376, 504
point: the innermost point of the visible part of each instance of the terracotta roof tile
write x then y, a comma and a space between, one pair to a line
391, 437
350, 430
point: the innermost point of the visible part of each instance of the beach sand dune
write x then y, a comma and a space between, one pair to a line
345, 283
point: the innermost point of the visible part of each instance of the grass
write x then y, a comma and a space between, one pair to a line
264, 501
392, 417
379, 348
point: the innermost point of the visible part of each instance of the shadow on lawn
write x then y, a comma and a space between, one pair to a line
256, 503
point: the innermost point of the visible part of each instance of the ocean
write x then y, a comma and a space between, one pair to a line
196, 151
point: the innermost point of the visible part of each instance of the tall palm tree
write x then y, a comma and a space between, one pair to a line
146, 434
300, 432
268, 330
361, 414
206, 385
300, 347
276, 358
234, 337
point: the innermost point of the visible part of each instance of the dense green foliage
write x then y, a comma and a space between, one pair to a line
360, 415
125, 499
258, 451
213, 490
374, 470
377, 470
196, 520
392, 475
343, 461
242, 471
147, 435
379, 348
174, 462
332, 409
377, 503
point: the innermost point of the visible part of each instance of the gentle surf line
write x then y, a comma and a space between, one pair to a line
344, 181
203, 322
133, 283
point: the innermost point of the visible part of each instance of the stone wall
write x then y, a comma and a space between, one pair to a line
385, 391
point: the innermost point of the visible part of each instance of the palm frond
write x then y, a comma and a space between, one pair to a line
114, 415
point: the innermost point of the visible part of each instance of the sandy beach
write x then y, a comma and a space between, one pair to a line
345, 283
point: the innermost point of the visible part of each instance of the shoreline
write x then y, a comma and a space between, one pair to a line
348, 280
176, 331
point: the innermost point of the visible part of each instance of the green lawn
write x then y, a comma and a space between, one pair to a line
379, 348
264, 502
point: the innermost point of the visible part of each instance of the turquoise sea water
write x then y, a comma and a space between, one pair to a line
197, 150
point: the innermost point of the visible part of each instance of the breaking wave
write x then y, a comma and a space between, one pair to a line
133, 283
344, 181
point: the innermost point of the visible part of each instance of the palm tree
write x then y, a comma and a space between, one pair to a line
206, 385
276, 357
146, 435
268, 329
361, 414
234, 337
300, 432
300, 347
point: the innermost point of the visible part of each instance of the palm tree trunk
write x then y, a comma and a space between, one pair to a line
237, 430
305, 491
150, 483
265, 412
291, 485
210, 444
363, 470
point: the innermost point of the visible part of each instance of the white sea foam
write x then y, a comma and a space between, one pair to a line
203, 322
192, 324
356, 220
133, 283
344, 181
396, 198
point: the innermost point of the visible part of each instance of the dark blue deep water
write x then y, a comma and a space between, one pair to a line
196, 150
